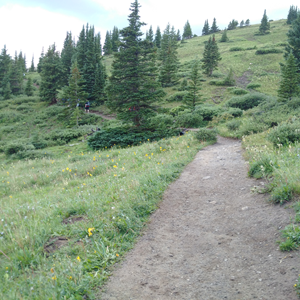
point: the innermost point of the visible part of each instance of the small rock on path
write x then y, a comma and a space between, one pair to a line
210, 239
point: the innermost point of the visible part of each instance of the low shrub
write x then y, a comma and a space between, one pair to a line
16, 147
239, 92
64, 135
53, 110
251, 127
161, 121
10, 116
206, 135
189, 119
208, 112
251, 48
236, 112
246, 101
267, 51
175, 110
24, 107
285, 134
123, 137
178, 96
233, 125
294, 103
281, 194
253, 86
261, 168
232, 49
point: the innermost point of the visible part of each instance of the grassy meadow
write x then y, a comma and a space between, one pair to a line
68, 213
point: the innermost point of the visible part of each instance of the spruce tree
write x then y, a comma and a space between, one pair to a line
289, 85
29, 87
99, 94
242, 24
16, 76
51, 75
214, 28
133, 88
224, 37
151, 35
187, 31
115, 39
211, 56
157, 39
206, 28
193, 98
293, 45
32, 69
264, 27
232, 24
292, 15
67, 54
168, 57
107, 48
81, 49
5, 63
22, 62
6, 90
40, 63
178, 35
247, 23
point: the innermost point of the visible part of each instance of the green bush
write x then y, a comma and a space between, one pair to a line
236, 49
261, 167
294, 103
267, 51
246, 101
281, 194
123, 137
24, 107
206, 135
178, 96
53, 110
251, 127
253, 86
285, 134
233, 125
175, 110
25, 99
236, 112
251, 48
16, 147
64, 135
239, 92
189, 119
208, 112
10, 116
161, 121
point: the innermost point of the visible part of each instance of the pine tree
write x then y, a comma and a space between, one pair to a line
29, 87
22, 62
224, 37
206, 28
40, 63
178, 35
99, 94
67, 54
247, 23
168, 56
16, 76
187, 31
242, 24
32, 69
151, 35
294, 42
81, 49
193, 98
5, 63
157, 39
214, 28
232, 24
115, 39
211, 56
264, 27
51, 75
107, 48
133, 87
292, 15
289, 85
6, 90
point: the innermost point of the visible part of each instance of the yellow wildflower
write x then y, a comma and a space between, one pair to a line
10, 196
115, 166
67, 169
117, 255
52, 270
63, 170
78, 258
70, 277
54, 278
90, 230
115, 175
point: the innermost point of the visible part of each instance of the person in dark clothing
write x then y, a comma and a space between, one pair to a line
87, 107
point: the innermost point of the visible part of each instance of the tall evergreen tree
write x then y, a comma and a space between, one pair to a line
40, 63
67, 54
206, 28
5, 63
107, 48
178, 35
133, 88
187, 31
98, 46
293, 45
29, 87
214, 28
51, 75
99, 94
6, 90
289, 85
242, 24
232, 24
157, 39
81, 49
22, 62
168, 56
115, 39
292, 15
32, 68
211, 56
193, 98
16, 75
247, 23
264, 25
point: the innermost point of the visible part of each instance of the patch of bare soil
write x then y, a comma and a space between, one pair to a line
211, 238
55, 243
106, 117
243, 81
73, 219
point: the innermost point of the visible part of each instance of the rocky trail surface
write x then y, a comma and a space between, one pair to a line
211, 238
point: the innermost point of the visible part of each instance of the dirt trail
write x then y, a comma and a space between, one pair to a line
211, 238
106, 117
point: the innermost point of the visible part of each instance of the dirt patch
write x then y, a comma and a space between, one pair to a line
244, 80
106, 117
55, 243
73, 219
211, 238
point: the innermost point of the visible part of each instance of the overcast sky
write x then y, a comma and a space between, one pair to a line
29, 25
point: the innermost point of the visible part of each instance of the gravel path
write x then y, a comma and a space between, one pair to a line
211, 238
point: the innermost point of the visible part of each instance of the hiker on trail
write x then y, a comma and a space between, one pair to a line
87, 107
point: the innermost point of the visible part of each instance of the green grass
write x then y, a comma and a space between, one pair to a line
114, 192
